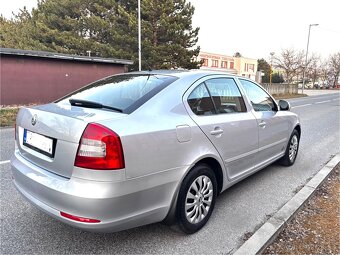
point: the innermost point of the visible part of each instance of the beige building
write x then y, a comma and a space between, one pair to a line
235, 65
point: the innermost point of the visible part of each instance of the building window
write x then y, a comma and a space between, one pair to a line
231, 65
205, 61
214, 63
251, 67
224, 64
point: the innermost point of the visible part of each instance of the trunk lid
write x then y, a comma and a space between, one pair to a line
49, 135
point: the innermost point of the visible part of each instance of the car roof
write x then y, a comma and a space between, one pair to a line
183, 73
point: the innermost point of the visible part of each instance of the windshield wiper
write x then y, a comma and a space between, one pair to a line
91, 104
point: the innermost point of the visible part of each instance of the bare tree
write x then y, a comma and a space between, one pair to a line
324, 71
334, 68
313, 71
291, 62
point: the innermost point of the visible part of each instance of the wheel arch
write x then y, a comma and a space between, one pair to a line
215, 165
298, 129
217, 169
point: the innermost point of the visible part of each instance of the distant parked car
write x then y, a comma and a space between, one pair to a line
309, 85
326, 85
143, 147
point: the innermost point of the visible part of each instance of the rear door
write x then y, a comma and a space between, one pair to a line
218, 108
273, 127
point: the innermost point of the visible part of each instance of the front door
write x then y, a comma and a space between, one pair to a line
273, 129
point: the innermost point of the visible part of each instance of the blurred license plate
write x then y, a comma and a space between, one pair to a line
38, 142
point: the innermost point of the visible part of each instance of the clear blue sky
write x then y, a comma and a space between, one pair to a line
255, 28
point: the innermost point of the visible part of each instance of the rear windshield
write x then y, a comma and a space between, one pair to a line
125, 92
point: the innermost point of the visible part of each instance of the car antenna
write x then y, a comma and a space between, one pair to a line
148, 65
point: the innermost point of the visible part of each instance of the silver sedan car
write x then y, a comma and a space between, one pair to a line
144, 147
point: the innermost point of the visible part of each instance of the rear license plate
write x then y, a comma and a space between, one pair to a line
40, 143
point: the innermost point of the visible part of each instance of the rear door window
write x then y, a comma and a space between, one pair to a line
216, 96
226, 95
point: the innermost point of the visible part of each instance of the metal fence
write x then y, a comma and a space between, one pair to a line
280, 88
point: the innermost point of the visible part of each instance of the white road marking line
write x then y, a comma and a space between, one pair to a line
335, 99
301, 105
4, 162
321, 102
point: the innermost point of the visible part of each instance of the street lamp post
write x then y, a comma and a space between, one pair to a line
271, 67
139, 40
305, 67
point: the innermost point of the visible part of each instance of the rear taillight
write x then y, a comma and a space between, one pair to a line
99, 148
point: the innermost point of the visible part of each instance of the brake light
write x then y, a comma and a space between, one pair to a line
100, 148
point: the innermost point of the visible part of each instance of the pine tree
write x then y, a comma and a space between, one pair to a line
262, 65
108, 28
73, 26
168, 38
17, 32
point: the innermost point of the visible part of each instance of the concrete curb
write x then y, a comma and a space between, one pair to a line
272, 228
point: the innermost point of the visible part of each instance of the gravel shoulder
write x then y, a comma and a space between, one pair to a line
315, 229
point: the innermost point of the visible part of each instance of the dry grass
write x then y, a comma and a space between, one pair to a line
8, 116
287, 96
316, 227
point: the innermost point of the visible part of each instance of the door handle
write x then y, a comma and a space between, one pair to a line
262, 124
217, 131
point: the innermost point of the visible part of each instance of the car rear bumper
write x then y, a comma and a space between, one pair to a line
118, 205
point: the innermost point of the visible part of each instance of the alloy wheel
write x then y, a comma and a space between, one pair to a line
293, 147
198, 199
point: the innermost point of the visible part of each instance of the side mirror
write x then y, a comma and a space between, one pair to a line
284, 105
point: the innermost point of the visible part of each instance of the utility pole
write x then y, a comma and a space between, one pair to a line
305, 67
139, 40
271, 67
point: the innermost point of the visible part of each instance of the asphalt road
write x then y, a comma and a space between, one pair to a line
239, 210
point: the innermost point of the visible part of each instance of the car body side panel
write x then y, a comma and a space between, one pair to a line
238, 144
153, 146
272, 135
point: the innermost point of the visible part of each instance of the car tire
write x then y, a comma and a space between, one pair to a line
292, 149
196, 199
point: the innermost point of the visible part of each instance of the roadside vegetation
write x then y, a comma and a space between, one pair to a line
288, 66
8, 116
108, 29
287, 96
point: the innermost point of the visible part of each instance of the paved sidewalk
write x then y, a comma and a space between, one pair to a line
264, 236
316, 227
316, 92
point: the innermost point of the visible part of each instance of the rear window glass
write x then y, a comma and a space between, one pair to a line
125, 92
